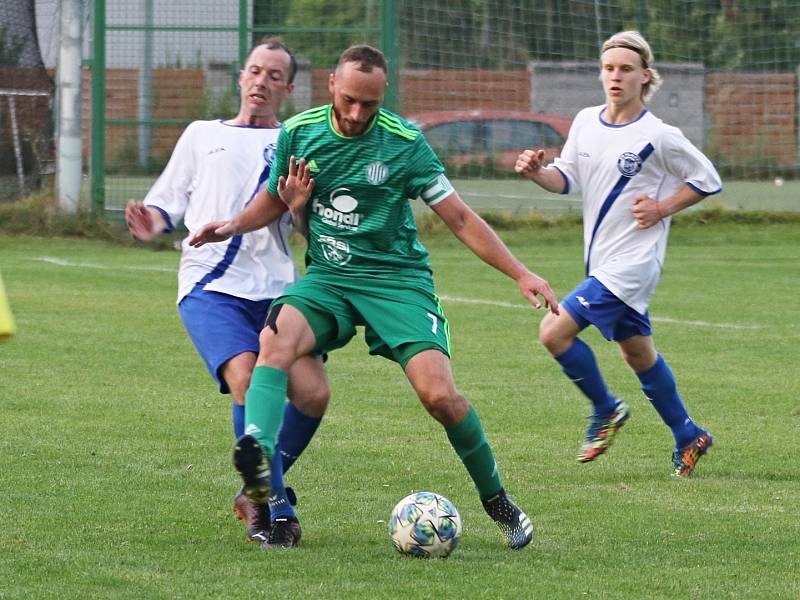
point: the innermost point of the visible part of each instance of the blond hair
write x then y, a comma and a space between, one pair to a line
633, 40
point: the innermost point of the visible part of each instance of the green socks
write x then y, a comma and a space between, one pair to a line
264, 404
469, 441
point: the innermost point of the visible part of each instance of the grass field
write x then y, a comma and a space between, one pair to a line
115, 467
520, 197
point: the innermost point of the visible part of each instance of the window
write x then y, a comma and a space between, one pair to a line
448, 139
507, 134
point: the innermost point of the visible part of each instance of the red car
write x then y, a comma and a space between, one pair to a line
487, 142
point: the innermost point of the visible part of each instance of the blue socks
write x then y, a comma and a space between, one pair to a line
579, 364
295, 435
279, 506
658, 384
237, 416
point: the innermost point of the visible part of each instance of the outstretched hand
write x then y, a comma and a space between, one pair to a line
531, 286
216, 231
139, 221
529, 162
295, 188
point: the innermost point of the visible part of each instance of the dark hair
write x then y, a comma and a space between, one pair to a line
367, 58
275, 43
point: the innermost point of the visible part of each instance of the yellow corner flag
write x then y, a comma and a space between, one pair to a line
7, 327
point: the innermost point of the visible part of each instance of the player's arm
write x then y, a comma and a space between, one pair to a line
144, 222
262, 210
648, 211
295, 189
169, 197
476, 234
682, 160
530, 165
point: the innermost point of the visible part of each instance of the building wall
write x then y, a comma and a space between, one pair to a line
567, 87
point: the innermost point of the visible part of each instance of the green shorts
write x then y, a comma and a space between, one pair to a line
400, 317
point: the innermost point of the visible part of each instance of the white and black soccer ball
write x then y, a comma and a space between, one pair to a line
425, 525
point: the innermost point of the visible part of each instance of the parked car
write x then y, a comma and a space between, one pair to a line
487, 142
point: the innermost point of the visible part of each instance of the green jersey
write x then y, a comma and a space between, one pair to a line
359, 215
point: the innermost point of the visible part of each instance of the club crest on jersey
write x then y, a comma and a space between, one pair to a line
629, 164
377, 173
269, 153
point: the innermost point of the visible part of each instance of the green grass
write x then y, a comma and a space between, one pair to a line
114, 453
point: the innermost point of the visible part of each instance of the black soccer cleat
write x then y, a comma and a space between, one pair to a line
252, 463
256, 517
284, 533
514, 523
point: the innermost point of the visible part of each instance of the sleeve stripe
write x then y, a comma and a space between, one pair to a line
313, 115
394, 125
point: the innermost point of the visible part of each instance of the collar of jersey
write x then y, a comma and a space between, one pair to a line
347, 137
600, 116
222, 122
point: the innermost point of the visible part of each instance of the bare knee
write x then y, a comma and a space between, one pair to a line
236, 373
448, 407
238, 384
275, 350
309, 389
639, 358
312, 401
553, 337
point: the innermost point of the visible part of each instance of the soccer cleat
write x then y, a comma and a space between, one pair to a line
284, 533
255, 516
514, 523
601, 433
685, 459
252, 463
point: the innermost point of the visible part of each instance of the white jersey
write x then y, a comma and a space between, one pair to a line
613, 164
214, 172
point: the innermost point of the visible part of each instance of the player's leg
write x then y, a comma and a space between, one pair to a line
660, 387
431, 377
285, 337
309, 392
297, 323
559, 334
228, 345
274, 523
236, 374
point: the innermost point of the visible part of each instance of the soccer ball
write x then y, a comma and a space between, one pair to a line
425, 525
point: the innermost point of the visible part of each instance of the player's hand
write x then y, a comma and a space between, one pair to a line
529, 162
139, 221
216, 231
296, 187
647, 211
531, 286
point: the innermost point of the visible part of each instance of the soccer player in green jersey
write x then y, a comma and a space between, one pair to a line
359, 166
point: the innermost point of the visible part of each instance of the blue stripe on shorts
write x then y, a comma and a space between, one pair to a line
222, 326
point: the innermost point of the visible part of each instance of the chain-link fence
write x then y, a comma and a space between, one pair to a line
484, 78
26, 92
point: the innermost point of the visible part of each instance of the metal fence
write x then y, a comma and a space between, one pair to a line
731, 80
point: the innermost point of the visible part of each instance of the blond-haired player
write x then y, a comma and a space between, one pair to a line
634, 171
